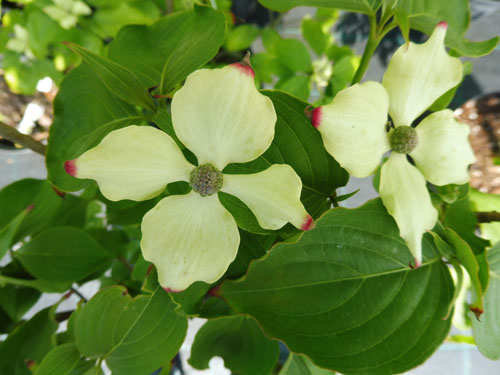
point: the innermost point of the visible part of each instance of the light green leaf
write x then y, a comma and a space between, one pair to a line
361, 6
62, 255
171, 48
294, 55
239, 341
297, 364
135, 336
487, 331
313, 33
241, 37
298, 86
309, 294
119, 80
425, 14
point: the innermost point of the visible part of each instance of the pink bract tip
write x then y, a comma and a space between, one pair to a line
417, 265
316, 117
70, 167
443, 24
244, 69
308, 223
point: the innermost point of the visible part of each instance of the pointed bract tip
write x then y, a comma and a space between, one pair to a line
168, 290
308, 223
245, 66
214, 292
414, 266
316, 117
70, 167
443, 24
476, 311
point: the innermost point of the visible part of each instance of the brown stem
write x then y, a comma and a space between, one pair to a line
12, 134
488, 217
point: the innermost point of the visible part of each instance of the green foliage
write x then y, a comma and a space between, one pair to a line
486, 331
361, 6
287, 292
114, 326
297, 364
239, 341
63, 360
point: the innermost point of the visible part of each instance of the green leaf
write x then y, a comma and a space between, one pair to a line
120, 81
297, 364
84, 112
298, 86
487, 202
17, 300
461, 219
8, 232
241, 37
425, 14
32, 340
299, 145
170, 49
487, 331
62, 255
294, 55
134, 336
360, 6
312, 31
61, 360
309, 294
38, 195
239, 341
466, 257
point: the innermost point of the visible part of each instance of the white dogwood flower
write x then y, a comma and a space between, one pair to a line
353, 128
66, 12
222, 118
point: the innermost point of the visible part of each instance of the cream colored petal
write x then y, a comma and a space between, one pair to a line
418, 75
273, 196
353, 127
135, 162
189, 238
404, 193
443, 152
80, 8
221, 117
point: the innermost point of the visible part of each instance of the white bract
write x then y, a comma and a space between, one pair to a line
353, 128
66, 12
222, 118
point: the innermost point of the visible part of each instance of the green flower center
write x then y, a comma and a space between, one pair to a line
205, 179
403, 139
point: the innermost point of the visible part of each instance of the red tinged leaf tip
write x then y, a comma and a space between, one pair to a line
70, 167
443, 24
308, 223
150, 268
214, 292
316, 117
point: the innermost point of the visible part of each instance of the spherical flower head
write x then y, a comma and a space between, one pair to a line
403, 139
222, 118
206, 180
353, 128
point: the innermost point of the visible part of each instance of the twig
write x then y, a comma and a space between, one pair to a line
488, 217
12, 134
77, 292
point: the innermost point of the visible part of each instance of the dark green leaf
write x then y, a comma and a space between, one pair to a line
171, 48
135, 336
28, 342
308, 294
361, 6
487, 331
84, 112
120, 81
17, 300
62, 255
239, 341
424, 15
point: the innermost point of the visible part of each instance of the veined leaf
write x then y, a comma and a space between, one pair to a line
361, 6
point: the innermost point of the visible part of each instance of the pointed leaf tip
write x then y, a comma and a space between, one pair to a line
70, 167
477, 312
